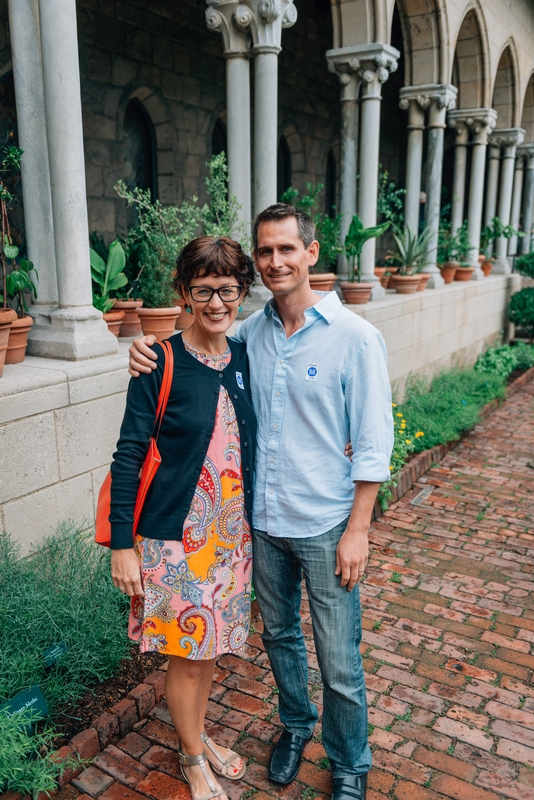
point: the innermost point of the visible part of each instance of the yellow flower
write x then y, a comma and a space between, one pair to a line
394, 405
408, 441
398, 414
391, 468
403, 423
419, 434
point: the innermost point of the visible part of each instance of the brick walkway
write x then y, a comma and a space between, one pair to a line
448, 650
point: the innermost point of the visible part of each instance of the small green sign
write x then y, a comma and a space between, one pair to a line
28, 700
55, 653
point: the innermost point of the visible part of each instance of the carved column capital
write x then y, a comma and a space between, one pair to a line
526, 151
507, 138
480, 121
371, 62
268, 18
232, 19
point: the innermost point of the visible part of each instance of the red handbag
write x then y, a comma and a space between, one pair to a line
150, 464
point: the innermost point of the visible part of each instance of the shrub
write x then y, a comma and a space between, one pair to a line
450, 405
521, 310
525, 265
24, 765
498, 361
62, 593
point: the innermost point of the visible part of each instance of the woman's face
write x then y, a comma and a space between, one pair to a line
214, 315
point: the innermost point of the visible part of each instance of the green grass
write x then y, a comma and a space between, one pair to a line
62, 593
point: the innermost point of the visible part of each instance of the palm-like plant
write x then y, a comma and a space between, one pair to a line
411, 250
355, 239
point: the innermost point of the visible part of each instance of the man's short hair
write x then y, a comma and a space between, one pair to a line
280, 211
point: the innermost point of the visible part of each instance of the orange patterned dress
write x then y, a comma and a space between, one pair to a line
197, 591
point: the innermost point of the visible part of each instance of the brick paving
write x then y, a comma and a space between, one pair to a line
448, 649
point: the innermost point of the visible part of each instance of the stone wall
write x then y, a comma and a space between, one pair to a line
59, 421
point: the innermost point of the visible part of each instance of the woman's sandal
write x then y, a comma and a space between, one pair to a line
200, 761
223, 771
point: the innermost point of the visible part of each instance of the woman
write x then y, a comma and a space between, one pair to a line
188, 570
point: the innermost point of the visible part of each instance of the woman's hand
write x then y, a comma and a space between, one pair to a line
142, 358
126, 572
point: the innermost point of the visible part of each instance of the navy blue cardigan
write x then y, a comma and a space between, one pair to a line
183, 441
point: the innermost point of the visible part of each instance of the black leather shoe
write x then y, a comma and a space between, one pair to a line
352, 787
287, 755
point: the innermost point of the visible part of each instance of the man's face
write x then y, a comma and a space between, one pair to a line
281, 258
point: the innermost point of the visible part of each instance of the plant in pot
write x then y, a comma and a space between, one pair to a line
15, 323
356, 291
410, 255
446, 256
126, 298
521, 309
108, 276
327, 231
463, 248
489, 235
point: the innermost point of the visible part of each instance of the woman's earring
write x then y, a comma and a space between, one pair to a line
240, 308
188, 309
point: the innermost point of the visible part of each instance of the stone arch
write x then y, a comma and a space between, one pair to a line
425, 34
297, 151
355, 22
219, 138
161, 118
505, 88
527, 117
470, 68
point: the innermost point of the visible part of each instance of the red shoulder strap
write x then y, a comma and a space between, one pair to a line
166, 384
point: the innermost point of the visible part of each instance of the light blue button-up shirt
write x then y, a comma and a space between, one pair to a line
312, 392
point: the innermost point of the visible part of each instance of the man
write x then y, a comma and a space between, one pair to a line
319, 377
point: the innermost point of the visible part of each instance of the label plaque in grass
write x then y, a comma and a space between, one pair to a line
55, 653
30, 701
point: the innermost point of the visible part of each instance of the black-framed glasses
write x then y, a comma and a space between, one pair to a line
203, 294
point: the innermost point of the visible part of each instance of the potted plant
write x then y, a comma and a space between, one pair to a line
126, 298
327, 231
355, 291
446, 257
108, 277
464, 271
15, 324
489, 235
411, 257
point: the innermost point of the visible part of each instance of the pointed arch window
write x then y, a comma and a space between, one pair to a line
139, 149
283, 174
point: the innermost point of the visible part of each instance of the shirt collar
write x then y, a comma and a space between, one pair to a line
327, 307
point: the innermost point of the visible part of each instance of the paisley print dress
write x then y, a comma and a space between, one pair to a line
197, 591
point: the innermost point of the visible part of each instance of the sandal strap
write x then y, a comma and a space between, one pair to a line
200, 761
225, 763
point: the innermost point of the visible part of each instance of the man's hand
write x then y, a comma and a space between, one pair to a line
349, 452
142, 358
126, 572
351, 557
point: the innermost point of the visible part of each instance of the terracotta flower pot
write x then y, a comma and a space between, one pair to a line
159, 321
464, 273
114, 321
323, 281
393, 271
18, 339
448, 271
486, 266
184, 320
130, 325
425, 277
406, 284
356, 293
7, 317
384, 280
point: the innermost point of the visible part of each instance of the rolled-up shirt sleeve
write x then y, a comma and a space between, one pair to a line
368, 405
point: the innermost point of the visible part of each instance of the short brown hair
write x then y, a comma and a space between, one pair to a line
209, 256
280, 211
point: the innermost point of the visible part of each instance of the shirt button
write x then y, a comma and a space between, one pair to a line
248, 491
235, 397
243, 422
271, 491
275, 427
278, 394
246, 444
221, 375
281, 360
271, 460
247, 469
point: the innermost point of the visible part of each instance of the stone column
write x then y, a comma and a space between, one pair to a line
492, 185
345, 68
232, 20
527, 151
517, 194
460, 164
376, 61
267, 19
31, 122
77, 329
415, 103
479, 122
508, 139
442, 99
